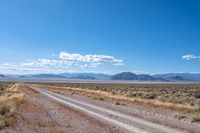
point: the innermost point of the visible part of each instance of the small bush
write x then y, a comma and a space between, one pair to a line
101, 99
132, 94
149, 96
5, 109
9, 121
195, 118
2, 122
117, 103
196, 95
180, 117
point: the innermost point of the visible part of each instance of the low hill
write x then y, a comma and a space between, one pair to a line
2, 76
176, 78
47, 76
132, 76
124, 76
79, 75
83, 77
185, 76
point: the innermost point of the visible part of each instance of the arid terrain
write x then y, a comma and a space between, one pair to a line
100, 108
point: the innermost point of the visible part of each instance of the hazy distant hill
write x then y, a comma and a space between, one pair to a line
176, 78
83, 77
171, 77
94, 75
184, 76
65, 75
162, 77
2, 76
132, 76
146, 77
124, 76
47, 76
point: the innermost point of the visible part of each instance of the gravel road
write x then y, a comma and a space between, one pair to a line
123, 122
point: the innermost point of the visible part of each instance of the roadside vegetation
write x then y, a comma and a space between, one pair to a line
179, 97
172, 93
9, 96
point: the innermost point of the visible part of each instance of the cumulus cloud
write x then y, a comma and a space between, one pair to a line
64, 61
190, 57
89, 58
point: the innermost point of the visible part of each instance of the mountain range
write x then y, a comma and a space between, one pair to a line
185, 76
169, 77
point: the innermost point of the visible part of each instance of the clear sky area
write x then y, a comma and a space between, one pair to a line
100, 36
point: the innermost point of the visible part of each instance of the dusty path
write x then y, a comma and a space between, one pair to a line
39, 114
45, 110
124, 122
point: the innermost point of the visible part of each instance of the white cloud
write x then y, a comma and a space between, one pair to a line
190, 57
39, 63
20, 70
89, 58
64, 62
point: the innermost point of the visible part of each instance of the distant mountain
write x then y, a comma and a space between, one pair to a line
132, 76
83, 77
65, 75
22, 76
47, 76
170, 77
94, 75
185, 76
176, 78
146, 77
124, 76
2, 76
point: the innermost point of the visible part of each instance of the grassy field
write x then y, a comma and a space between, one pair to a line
180, 94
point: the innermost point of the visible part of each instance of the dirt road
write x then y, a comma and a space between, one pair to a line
124, 122
45, 111
40, 114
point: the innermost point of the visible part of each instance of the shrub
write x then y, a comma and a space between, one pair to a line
5, 109
195, 118
180, 117
101, 99
117, 103
2, 122
196, 95
150, 96
9, 121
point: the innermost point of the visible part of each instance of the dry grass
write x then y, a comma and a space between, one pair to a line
8, 100
149, 96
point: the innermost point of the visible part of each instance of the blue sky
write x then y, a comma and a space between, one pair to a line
107, 36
